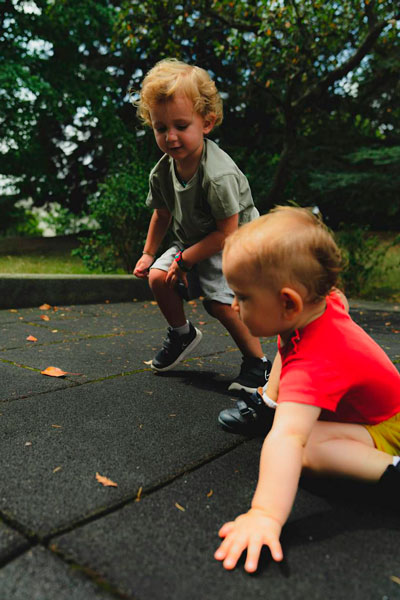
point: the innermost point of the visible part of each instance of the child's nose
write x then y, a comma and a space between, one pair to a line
170, 135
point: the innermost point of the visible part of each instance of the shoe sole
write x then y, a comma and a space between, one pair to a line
237, 387
246, 431
186, 351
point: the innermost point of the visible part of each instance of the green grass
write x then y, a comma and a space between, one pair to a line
46, 263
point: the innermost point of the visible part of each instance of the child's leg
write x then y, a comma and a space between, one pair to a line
344, 449
169, 301
182, 336
247, 344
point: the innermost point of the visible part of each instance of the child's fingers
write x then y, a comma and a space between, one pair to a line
276, 550
234, 552
226, 529
253, 554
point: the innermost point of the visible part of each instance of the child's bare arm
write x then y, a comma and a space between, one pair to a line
213, 242
208, 246
158, 227
272, 388
280, 468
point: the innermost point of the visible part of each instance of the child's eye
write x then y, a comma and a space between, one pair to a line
160, 129
182, 127
241, 298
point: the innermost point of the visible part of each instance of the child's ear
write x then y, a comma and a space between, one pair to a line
209, 122
291, 302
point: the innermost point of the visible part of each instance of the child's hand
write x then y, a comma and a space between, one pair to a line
251, 530
175, 274
142, 266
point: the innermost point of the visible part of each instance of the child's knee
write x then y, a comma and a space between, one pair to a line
157, 279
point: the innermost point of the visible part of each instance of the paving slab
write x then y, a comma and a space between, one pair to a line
156, 436
162, 547
39, 575
140, 431
21, 382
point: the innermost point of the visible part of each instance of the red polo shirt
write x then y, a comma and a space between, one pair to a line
334, 364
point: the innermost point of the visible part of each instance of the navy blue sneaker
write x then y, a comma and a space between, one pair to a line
254, 373
175, 348
251, 416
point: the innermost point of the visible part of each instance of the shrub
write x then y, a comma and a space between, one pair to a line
122, 216
364, 256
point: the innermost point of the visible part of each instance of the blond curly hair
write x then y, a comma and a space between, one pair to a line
170, 77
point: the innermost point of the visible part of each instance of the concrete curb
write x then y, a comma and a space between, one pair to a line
25, 290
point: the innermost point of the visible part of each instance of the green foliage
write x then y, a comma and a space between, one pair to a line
21, 221
308, 82
364, 255
119, 209
368, 181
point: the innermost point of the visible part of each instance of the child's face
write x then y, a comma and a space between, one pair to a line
179, 130
259, 307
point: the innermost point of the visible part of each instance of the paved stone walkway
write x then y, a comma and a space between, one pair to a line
65, 536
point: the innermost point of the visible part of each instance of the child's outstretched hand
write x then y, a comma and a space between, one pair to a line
142, 266
251, 530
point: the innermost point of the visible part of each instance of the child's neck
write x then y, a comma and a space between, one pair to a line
186, 168
310, 313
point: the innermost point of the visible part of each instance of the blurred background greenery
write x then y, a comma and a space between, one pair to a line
311, 108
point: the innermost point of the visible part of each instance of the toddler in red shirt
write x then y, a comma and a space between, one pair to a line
337, 393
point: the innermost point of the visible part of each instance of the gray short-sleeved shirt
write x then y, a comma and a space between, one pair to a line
217, 191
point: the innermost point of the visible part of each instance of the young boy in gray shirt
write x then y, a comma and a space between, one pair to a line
199, 190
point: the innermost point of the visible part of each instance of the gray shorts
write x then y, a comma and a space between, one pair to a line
205, 279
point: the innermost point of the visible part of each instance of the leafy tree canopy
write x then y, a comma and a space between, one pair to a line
306, 86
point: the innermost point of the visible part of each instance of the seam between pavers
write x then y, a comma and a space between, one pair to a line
13, 555
98, 379
105, 511
95, 577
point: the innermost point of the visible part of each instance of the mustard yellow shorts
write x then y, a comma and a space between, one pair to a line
386, 435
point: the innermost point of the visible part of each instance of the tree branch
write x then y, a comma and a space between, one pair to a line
354, 60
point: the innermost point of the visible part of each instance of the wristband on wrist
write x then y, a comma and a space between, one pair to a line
149, 254
180, 262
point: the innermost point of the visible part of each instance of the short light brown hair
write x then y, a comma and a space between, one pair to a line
170, 77
289, 245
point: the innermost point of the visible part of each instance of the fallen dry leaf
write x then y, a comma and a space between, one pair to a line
57, 469
210, 493
31, 338
148, 362
45, 307
139, 494
28, 443
395, 579
45, 318
202, 322
57, 426
13, 310
153, 302
54, 372
179, 507
105, 481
